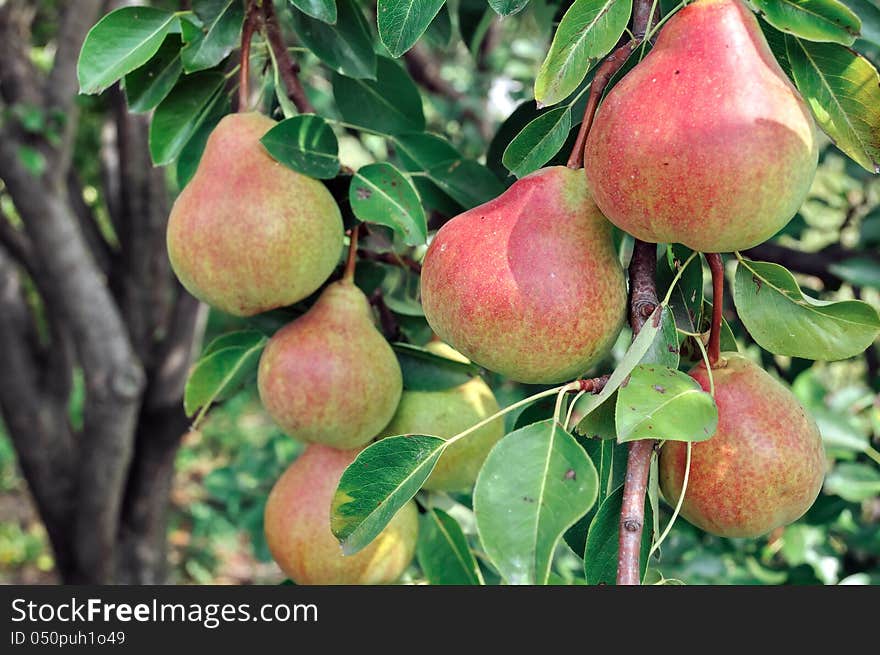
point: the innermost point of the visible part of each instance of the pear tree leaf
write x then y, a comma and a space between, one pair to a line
426, 371
868, 12
507, 7
178, 117
119, 43
208, 46
853, 481
323, 10
784, 321
148, 85
600, 556
391, 104
238, 339
641, 346
382, 479
587, 32
842, 89
380, 194
538, 142
345, 45
815, 20
663, 403
306, 144
402, 22
221, 372
443, 552
534, 485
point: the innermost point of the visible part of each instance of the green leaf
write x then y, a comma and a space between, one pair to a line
507, 7
686, 300
782, 320
425, 371
587, 32
119, 43
859, 271
534, 485
641, 345
816, 20
664, 350
147, 86
609, 458
662, 403
222, 21
381, 480
380, 194
536, 144
216, 376
305, 144
239, 339
842, 89
345, 46
869, 13
179, 116
443, 551
600, 557
390, 104
466, 181
854, 482
402, 22
323, 10
191, 154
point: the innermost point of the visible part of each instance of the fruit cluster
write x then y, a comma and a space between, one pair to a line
694, 146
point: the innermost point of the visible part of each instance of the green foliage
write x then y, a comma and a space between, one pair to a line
396, 153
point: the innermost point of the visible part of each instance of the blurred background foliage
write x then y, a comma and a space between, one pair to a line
225, 469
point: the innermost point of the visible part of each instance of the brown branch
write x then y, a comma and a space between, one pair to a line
613, 63
593, 385
251, 19
716, 265
390, 327
391, 258
642, 303
809, 263
351, 259
287, 67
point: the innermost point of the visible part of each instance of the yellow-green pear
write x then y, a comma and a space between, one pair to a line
446, 413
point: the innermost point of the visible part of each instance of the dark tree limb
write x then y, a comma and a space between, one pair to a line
716, 265
642, 303
287, 67
815, 264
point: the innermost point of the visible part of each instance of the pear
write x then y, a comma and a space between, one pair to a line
444, 414
330, 377
529, 284
705, 142
247, 234
763, 467
297, 527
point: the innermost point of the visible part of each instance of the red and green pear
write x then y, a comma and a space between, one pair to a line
763, 467
297, 527
446, 413
705, 142
330, 377
247, 234
529, 284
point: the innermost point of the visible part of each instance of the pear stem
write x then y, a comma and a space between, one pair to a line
716, 265
351, 260
244, 73
287, 67
606, 71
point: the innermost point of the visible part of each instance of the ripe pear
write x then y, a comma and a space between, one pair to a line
762, 468
330, 377
444, 414
297, 527
248, 234
529, 284
705, 142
